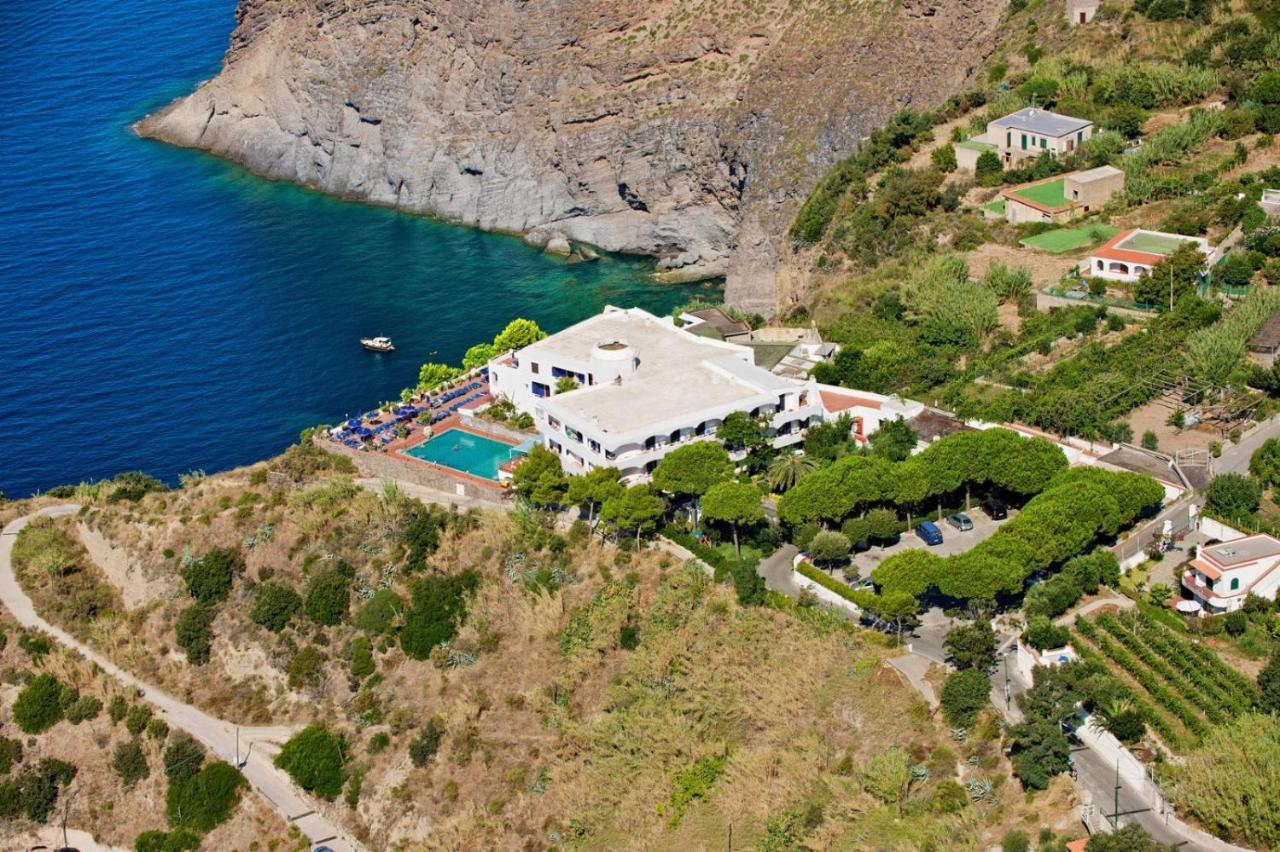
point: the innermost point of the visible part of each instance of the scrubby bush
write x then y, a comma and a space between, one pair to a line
273, 605
964, 693
362, 664
137, 719
178, 840
306, 667
130, 763
1043, 635
1237, 622
313, 758
1233, 495
132, 486
438, 608
972, 646
328, 596
39, 706
378, 614
424, 746
34, 792
204, 799
209, 577
83, 709
194, 633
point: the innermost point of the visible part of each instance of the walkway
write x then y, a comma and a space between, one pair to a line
218, 736
1109, 599
914, 667
432, 495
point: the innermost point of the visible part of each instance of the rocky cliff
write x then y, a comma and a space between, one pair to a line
682, 129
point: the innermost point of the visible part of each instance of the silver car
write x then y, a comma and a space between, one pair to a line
960, 521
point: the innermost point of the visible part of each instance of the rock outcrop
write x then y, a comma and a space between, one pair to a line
682, 129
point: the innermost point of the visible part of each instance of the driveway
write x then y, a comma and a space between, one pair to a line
777, 573
1235, 458
219, 737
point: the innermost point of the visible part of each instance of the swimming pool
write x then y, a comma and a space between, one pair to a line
473, 454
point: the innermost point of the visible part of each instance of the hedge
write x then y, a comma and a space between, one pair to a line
858, 597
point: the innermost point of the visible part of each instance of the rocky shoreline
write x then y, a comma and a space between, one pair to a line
689, 139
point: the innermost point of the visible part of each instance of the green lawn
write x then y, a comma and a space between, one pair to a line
750, 556
973, 145
1050, 193
1153, 243
996, 206
1070, 239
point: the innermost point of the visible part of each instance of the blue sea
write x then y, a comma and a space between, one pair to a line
164, 311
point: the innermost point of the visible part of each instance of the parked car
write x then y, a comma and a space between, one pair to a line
929, 532
960, 521
995, 509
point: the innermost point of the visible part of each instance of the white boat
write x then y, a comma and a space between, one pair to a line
378, 344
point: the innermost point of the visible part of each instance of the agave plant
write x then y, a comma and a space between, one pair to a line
786, 471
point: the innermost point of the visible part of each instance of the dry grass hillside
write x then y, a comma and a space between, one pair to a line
97, 800
588, 697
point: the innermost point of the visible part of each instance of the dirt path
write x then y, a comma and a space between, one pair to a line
221, 738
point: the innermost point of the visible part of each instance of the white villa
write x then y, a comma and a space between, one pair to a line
1223, 575
645, 386
1132, 252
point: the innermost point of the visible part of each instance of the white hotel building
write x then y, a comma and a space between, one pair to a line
646, 387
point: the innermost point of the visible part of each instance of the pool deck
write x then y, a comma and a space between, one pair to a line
397, 449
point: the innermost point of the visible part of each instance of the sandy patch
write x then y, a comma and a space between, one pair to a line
126, 575
1154, 416
50, 836
1045, 269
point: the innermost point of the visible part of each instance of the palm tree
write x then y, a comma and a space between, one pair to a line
786, 471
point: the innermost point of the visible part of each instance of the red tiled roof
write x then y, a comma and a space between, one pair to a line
833, 401
1108, 251
1206, 569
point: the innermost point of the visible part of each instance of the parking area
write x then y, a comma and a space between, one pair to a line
953, 540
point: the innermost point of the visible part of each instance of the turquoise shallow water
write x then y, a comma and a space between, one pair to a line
473, 454
165, 311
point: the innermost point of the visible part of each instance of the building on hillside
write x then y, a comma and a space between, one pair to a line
1270, 201
645, 386
968, 152
1062, 198
1265, 343
1028, 658
1132, 252
713, 322
1081, 11
1222, 575
784, 351
1032, 131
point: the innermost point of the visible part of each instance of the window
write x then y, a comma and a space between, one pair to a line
539, 389
1044, 143
533, 366
1235, 583
1024, 141
1080, 136
1008, 139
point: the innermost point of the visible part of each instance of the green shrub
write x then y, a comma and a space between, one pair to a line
83, 709
209, 577
1237, 622
273, 605
10, 754
206, 798
328, 596
306, 667
1233, 495
964, 693
378, 614
194, 633
379, 742
1015, 841
179, 840
136, 721
362, 664
158, 729
183, 757
39, 706
1043, 635
313, 758
133, 485
130, 763
424, 746
438, 608
34, 792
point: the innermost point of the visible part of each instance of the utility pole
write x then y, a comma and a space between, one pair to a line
66, 811
237, 746
1115, 812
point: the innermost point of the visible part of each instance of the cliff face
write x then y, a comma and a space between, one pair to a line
682, 129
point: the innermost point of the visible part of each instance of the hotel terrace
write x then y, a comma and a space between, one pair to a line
645, 386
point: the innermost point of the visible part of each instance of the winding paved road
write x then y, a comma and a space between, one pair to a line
218, 737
